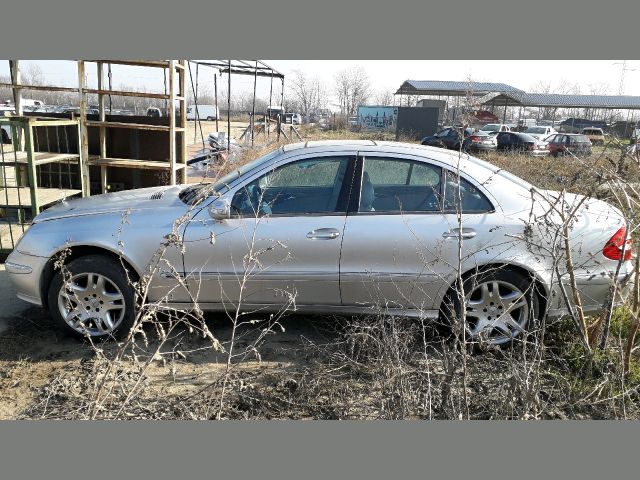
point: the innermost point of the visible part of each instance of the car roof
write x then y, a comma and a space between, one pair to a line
476, 167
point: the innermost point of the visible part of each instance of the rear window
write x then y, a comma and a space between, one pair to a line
592, 131
581, 138
536, 130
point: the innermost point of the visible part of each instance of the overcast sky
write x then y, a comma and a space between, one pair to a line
384, 74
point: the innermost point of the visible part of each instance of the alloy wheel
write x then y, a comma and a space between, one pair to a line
496, 312
91, 304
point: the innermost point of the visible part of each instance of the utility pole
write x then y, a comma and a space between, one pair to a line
623, 71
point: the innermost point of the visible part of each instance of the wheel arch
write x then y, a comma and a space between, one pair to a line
75, 252
540, 287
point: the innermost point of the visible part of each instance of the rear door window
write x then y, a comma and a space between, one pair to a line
396, 185
460, 194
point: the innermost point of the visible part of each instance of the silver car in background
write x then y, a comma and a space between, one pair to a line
349, 227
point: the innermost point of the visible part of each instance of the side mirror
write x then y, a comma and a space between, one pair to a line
220, 209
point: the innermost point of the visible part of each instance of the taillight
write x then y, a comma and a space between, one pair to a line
613, 248
475, 139
531, 146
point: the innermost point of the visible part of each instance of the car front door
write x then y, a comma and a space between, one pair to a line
401, 247
282, 241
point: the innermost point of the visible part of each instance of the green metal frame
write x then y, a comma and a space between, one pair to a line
22, 133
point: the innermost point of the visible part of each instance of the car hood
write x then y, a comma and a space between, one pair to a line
138, 199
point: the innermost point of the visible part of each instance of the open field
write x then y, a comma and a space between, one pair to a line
322, 367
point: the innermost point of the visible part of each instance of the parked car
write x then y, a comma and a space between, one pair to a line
575, 125
351, 226
480, 142
525, 123
521, 143
496, 127
595, 135
540, 132
569, 143
449, 137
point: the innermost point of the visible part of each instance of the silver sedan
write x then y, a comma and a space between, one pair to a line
349, 227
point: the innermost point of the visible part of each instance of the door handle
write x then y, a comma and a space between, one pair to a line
323, 234
457, 233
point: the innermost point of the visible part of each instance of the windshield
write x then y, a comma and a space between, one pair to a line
536, 130
491, 127
196, 193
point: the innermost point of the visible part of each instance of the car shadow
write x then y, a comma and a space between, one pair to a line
32, 336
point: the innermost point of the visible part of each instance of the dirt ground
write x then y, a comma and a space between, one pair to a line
34, 354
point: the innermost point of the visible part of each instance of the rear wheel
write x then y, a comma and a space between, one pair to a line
498, 306
5, 137
93, 298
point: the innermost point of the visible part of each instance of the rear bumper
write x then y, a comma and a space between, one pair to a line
594, 294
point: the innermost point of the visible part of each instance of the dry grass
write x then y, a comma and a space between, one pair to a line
334, 368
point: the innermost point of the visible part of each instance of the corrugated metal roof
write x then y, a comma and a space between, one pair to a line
446, 87
561, 100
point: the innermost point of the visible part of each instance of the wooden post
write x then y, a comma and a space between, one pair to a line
83, 139
16, 80
103, 131
270, 100
229, 113
253, 109
183, 118
31, 169
215, 94
172, 122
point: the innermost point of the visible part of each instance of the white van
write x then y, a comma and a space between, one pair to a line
205, 112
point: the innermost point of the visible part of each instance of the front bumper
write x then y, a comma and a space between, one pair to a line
25, 272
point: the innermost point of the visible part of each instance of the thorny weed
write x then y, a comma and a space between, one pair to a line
383, 365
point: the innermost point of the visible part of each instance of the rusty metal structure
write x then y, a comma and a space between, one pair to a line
176, 127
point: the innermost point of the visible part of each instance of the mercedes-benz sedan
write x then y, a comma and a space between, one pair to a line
349, 227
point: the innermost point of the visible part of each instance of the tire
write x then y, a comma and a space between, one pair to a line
5, 137
209, 119
481, 303
100, 286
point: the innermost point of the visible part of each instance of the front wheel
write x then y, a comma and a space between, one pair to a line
498, 306
93, 297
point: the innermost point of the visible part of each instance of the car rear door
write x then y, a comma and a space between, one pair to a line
400, 244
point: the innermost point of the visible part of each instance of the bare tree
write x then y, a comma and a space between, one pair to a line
352, 89
383, 97
307, 94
